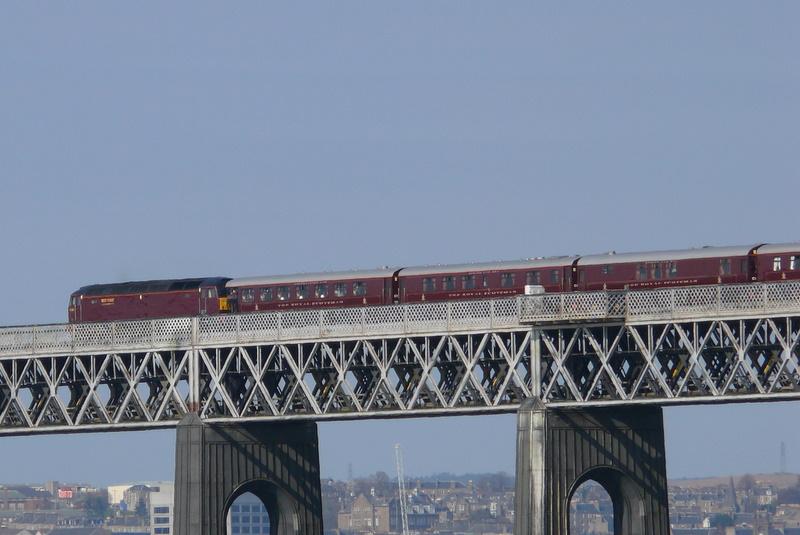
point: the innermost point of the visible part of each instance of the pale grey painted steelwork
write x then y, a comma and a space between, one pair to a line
686, 345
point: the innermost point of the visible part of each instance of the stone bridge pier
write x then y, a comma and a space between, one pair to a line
621, 448
216, 463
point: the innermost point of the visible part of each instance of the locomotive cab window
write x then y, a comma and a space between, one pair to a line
507, 280
448, 283
265, 295
340, 289
359, 288
428, 284
301, 290
283, 293
468, 282
776, 263
725, 266
321, 291
247, 295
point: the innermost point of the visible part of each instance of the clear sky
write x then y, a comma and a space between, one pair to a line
201, 138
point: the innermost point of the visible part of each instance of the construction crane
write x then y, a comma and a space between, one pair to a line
401, 488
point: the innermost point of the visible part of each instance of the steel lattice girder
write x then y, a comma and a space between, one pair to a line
673, 362
446, 373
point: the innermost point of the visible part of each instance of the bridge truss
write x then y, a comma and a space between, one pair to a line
690, 345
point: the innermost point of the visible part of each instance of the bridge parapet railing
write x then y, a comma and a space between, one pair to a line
578, 306
418, 318
697, 302
665, 304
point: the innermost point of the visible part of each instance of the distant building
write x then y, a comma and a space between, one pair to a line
116, 493
248, 516
366, 515
421, 513
161, 510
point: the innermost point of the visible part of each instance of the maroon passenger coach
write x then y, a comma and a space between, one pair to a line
709, 265
314, 290
485, 280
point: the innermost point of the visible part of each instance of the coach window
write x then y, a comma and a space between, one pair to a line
321, 291
672, 270
555, 276
656, 271
359, 288
247, 295
448, 283
793, 263
265, 295
428, 284
606, 269
507, 280
776, 263
340, 290
283, 293
486, 281
302, 291
468, 282
533, 278
641, 273
725, 266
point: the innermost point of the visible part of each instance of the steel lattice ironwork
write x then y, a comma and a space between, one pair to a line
673, 346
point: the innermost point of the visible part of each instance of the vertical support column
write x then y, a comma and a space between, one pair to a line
194, 368
536, 363
621, 448
529, 496
216, 463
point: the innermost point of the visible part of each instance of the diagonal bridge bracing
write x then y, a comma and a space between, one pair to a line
687, 345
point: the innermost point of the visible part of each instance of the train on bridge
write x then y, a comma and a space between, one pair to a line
403, 285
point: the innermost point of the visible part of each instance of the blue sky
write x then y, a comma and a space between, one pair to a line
204, 139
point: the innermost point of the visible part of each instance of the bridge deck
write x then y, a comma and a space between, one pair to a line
666, 346
635, 307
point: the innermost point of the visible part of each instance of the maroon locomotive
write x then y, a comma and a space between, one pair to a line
218, 295
148, 299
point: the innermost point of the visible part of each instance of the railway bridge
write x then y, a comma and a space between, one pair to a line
587, 374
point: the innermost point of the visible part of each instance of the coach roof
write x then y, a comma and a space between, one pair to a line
658, 256
772, 248
312, 277
532, 263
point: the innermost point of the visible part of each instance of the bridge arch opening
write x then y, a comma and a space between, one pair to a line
604, 501
260, 507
